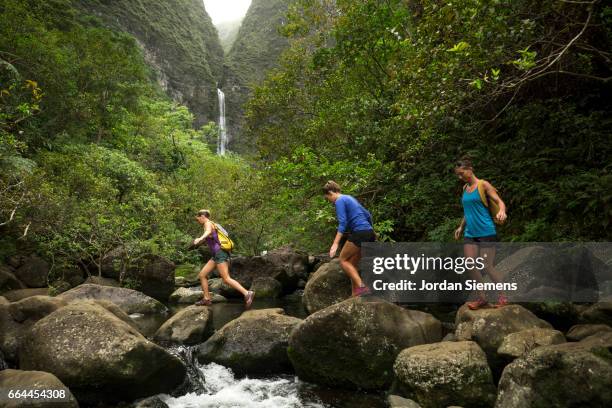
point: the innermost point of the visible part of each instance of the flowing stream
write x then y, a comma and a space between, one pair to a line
222, 141
213, 385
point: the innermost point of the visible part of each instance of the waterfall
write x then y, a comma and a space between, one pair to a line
222, 141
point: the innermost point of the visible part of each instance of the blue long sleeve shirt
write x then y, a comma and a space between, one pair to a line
351, 215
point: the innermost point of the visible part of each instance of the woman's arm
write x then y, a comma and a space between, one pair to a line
459, 230
207, 232
334, 247
492, 194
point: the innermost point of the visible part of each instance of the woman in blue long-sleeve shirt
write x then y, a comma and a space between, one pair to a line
355, 220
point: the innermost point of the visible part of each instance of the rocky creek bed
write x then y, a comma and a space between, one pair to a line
106, 345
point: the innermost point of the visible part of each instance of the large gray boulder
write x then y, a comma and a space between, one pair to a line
354, 343
442, 374
520, 343
33, 272
98, 355
285, 265
151, 274
186, 295
254, 343
19, 294
327, 286
101, 280
488, 327
555, 272
562, 375
266, 288
16, 319
8, 280
35, 380
192, 325
130, 301
582, 331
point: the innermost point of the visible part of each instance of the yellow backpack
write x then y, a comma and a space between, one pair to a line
490, 204
224, 240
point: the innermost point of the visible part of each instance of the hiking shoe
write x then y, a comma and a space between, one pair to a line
248, 299
203, 302
477, 304
502, 301
361, 291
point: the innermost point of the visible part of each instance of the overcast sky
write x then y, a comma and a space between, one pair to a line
226, 10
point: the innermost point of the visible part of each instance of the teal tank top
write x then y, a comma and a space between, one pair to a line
478, 221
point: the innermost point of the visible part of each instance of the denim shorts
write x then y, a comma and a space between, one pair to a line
221, 256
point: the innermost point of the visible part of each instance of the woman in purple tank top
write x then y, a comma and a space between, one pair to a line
220, 260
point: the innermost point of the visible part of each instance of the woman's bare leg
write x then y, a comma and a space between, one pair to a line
224, 273
203, 275
489, 255
349, 251
471, 251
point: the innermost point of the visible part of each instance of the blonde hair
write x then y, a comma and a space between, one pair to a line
205, 213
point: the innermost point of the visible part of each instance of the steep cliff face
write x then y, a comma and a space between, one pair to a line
255, 51
180, 43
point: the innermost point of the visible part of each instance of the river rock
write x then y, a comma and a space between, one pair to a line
186, 275
8, 280
254, 343
155, 275
561, 375
327, 286
598, 313
151, 402
191, 325
542, 270
34, 380
186, 295
16, 319
151, 274
489, 326
98, 355
285, 265
517, 344
218, 286
4, 301
33, 272
266, 287
448, 373
101, 280
395, 401
19, 294
582, 331
130, 301
562, 315
354, 343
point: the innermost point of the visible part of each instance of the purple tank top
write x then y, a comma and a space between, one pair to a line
213, 242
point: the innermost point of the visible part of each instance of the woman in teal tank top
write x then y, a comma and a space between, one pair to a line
478, 227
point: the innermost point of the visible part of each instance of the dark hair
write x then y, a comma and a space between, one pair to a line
464, 162
331, 187
205, 213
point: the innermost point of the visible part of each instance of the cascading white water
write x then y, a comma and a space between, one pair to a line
222, 140
212, 385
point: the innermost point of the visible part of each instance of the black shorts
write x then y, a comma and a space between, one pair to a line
358, 237
481, 241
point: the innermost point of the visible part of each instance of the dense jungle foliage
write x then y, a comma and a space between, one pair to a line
381, 96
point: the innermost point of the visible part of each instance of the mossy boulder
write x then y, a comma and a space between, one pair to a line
562, 375
582, 331
354, 343
517, 344
98, 355
447, 373
34, 380
16, 319
33, 272
489, 326
266, 287
130, 301
327, 286
8, 280
192, 325
254, 343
